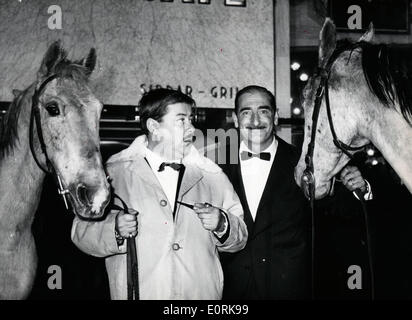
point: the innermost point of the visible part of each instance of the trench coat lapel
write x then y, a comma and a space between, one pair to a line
190, 178
145, 172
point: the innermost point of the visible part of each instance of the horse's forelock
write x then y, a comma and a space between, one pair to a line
67, 69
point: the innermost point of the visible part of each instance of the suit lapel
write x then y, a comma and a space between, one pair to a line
236, 179
242, 196
273, 188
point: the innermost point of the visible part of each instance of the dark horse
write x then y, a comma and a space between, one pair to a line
369, 87
52, 126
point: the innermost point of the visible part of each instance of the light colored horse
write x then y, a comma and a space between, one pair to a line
69, 116
370, 91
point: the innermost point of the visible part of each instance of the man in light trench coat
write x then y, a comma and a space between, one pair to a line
177, 246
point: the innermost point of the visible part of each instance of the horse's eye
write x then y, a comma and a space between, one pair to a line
53, 109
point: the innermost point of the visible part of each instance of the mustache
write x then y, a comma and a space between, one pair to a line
255, 127
189, 138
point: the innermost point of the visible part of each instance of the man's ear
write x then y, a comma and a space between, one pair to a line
152, 125
235, 119
276, 118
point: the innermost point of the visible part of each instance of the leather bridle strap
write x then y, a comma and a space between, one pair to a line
338, 143
323, 89
132, 266
309, 170
35, 118
308, 173
315, 116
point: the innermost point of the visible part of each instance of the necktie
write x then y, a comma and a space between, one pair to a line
173, 165
245, 155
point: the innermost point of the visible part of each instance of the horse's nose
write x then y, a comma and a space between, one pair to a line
84, 195
95, 198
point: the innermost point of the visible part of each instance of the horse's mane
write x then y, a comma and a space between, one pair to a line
63, 68
8, 128
388, 72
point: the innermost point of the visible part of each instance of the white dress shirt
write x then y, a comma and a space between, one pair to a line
255, 173
167, 178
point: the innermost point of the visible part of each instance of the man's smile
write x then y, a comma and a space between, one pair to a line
256, 128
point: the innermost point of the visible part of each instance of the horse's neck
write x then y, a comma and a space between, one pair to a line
392, 135
20, 178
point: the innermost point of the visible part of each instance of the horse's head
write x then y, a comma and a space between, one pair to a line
342, 75
69, 117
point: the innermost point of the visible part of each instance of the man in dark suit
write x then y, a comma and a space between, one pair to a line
275, 262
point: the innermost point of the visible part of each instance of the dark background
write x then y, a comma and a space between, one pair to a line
340, 242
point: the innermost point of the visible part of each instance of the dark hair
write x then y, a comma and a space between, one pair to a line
254, 89
154, 104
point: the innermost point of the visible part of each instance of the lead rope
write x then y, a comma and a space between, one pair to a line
308, 175
312, 206
345, 149
360, 195
132, 265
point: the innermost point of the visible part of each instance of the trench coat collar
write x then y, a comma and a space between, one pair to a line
194, 162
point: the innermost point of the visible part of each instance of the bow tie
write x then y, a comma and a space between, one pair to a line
173, 165
245, 155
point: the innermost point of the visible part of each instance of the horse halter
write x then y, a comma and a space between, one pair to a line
308, 176
35, 117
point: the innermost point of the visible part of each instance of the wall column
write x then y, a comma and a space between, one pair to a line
282, 63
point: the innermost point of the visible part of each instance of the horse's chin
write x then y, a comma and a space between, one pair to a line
303, 180
322, 190
90, 211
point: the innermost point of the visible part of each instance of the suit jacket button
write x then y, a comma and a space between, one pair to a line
163, 203
175, 246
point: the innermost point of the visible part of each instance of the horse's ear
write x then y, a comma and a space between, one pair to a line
368, 35
327, 45
16, 92
54, 54
90, 61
